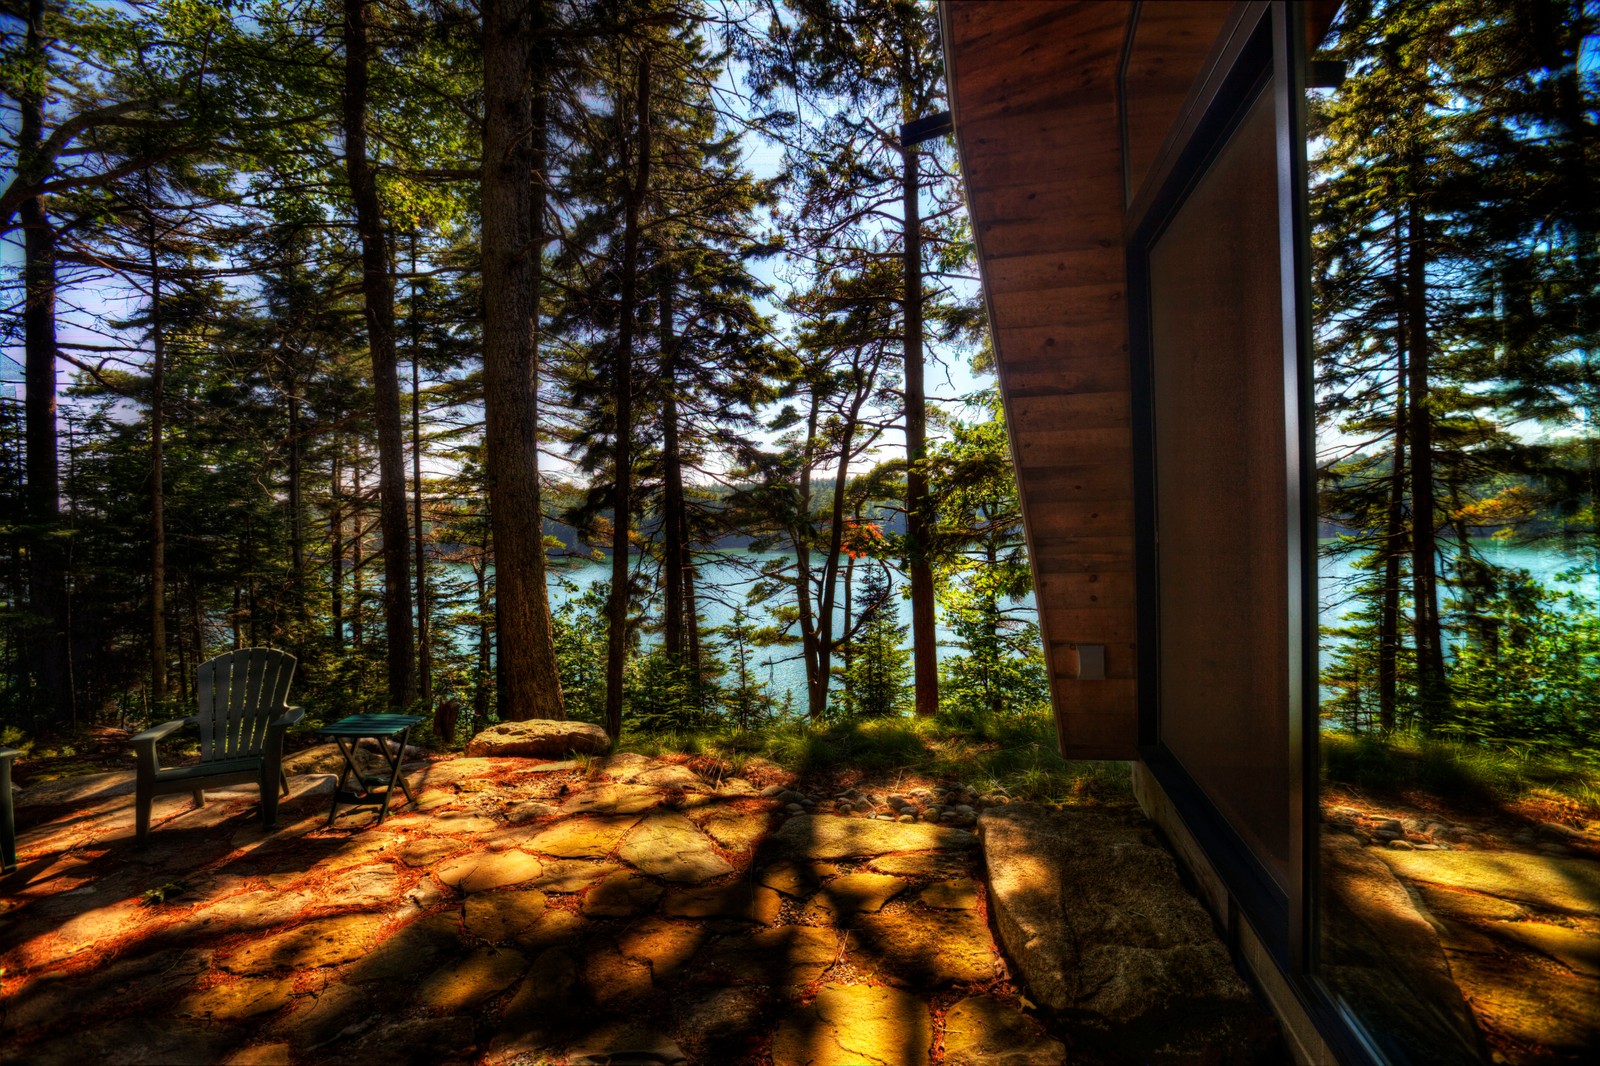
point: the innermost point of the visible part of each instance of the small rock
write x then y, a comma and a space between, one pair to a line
773, 791
1402, 844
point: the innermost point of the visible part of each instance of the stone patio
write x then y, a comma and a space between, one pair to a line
621, 910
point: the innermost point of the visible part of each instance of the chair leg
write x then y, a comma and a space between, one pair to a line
141, 815
269, 801
199, 797
283, 779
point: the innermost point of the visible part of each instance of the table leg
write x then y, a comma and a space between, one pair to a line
349, 768
394, 772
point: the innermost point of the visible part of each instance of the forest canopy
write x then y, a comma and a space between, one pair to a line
351, 326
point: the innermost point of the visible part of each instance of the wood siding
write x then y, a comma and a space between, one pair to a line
1033, 88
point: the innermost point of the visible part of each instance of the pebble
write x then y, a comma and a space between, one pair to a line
1388, 825
794, 808
773, 791
1401, 844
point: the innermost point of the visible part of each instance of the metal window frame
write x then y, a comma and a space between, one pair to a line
1259, 50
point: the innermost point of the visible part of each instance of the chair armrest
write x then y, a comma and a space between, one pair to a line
151, 736
146, 760
291, 715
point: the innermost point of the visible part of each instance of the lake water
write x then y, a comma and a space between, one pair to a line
722, 584
726, 577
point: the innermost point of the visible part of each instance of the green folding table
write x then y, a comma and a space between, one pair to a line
371, 790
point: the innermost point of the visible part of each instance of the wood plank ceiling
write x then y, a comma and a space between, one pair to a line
1033, 87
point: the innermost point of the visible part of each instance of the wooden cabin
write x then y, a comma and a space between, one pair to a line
1137, 184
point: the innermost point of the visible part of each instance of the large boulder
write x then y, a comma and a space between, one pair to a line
1091, 911
538, 738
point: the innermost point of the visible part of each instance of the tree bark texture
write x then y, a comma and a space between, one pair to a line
47, 562
424, 644
1433, 692
158, 526
674, 553
924, 634
622, 400
513, 185
377, 287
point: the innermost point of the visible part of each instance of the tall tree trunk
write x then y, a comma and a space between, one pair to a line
424, 644
1433, 692
622, 399
377, 286
336, 551
514, 189
485, 673
800, 536
158, 526
47, 584
1394, 549
672, 525
297, 516
924, 635
358, 540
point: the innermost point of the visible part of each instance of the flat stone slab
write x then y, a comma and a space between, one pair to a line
734, 830
856, 893
625, 1042
613, 798
831, 836
238, 1000
797, 878
321, 943
1577, 950
621, 895
950, 896
671, 776
587, 837
1545, 882
786, 955
987, 1031
625, 765
852, 1025
539, 739
485, 870
410, 951
85, 790
671, 847
1093, 915
940, 864
467, 982
500, 916
572, 875
738, 902
927, 949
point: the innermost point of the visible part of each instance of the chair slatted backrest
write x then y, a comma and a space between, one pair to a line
240, 693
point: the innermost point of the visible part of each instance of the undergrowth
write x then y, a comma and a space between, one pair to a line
1014, 755
1490, 776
